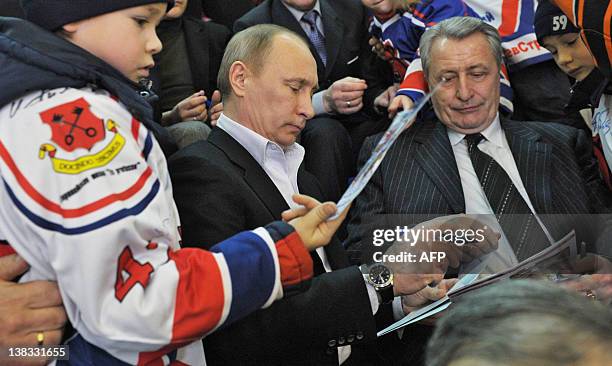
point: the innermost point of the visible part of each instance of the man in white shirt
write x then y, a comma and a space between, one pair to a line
350, 78
248, 171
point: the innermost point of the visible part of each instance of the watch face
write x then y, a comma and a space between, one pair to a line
380, 275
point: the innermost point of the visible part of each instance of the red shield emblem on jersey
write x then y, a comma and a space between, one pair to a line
73, 125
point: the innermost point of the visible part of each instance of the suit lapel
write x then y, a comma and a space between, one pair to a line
436, 158
253, 175
533, 160
198, 50
258, 180
333, 27
281, 16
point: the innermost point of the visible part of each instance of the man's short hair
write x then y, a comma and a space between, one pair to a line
252, 47
521, 322
458, 28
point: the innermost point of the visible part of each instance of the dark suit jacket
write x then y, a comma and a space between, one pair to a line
419, 175
346, 37
206, 43
220, 11
221, 190
11, 8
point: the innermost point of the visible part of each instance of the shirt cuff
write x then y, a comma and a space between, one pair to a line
317, 103
374, 302
398, 313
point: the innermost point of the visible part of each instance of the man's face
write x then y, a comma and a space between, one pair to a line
570, 54
467, 72
177, 10
125, 39
301, 4
379, 6
277, 100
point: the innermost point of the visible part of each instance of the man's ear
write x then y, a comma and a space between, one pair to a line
238, 75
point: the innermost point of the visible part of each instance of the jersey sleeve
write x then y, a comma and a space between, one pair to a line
85, 198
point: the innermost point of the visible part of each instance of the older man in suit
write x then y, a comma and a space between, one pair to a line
246, 172
468, 160
350, 78
532, 180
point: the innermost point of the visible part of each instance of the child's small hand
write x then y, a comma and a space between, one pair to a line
192, 108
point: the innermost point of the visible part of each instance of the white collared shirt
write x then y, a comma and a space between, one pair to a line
495, 145
282, 166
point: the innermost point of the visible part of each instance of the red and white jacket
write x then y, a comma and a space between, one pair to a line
86, 200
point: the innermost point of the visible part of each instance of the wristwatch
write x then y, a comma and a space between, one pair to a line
381, 278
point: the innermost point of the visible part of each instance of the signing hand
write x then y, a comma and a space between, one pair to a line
412, 276
426, 295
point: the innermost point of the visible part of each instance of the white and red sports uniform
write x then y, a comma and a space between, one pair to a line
86, 200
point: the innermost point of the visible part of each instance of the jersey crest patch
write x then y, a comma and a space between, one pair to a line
74, 126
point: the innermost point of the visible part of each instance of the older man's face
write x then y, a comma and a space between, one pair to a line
277, 102
301, 4
467, 72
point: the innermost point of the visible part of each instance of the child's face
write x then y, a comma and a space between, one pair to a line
570, 54
126, 39
379, 6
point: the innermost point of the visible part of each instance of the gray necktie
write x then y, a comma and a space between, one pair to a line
516, 219
316, 38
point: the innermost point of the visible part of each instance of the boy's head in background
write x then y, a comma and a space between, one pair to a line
386, 7
559, 36
120, 32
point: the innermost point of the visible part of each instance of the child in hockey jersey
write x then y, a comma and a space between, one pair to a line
398, 26
592, 90
86, 198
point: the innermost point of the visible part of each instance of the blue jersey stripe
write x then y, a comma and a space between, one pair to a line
250, 288
45, 224
148, 146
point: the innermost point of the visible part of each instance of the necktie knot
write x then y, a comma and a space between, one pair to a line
473, 140
310, 17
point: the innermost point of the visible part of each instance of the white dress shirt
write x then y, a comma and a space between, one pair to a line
495, 145
281, 165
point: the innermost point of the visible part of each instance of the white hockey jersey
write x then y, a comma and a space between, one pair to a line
86, 199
